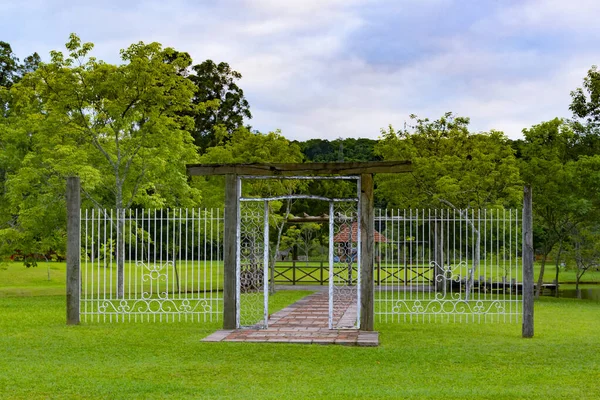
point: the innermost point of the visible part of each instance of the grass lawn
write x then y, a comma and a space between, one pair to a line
41, 357
44, 358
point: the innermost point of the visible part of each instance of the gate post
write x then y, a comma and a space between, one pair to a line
527, 260
73, 198
230, 251
367, 225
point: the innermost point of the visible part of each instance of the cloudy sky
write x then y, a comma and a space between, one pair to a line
347, 68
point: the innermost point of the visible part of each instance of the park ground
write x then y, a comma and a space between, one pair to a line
44, 358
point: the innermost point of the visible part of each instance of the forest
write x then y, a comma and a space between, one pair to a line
129, 130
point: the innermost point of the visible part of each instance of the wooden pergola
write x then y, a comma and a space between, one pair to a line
363, 169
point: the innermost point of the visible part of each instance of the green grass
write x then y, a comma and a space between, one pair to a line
16, 280
44, 358
41, 357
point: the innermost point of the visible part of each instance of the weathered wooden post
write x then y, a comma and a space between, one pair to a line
367, 226
527, 263
73, 198
230, 252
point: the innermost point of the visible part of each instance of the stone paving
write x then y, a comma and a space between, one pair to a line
305, 321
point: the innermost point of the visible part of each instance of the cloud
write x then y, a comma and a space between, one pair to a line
330, 68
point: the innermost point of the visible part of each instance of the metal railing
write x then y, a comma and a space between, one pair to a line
448, 265
151, 265
430, 265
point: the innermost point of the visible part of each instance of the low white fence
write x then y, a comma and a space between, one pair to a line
151, 265
430, 265
448, 265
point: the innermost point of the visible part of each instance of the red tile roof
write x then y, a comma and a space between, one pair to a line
342, 236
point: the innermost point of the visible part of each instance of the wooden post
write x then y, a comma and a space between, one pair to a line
230, 252
527, 263
367, 225
73, 198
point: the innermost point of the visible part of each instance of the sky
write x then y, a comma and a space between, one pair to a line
348, 68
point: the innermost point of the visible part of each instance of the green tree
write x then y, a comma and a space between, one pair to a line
585, 103
584, 251
10, 69
247, 147
215, 84
550, 166
451, 166
349, 149
119, 127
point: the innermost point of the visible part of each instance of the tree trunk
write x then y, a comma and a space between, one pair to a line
540, 282
120, 253
473, 271
557, 264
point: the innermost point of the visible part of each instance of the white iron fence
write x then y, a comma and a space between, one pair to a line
430, 265
151, 265
448, 265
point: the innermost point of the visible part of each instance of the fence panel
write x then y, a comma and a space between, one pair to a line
448, 265
151, 265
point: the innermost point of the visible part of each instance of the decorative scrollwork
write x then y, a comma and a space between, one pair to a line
345, 268
447, 307
251, 273
154, 306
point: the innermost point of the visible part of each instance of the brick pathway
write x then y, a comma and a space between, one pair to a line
305, 321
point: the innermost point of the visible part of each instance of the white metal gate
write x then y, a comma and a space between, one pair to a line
252, 264
252, 258
344, 265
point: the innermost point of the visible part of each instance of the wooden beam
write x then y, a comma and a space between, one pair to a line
367, 237
230, 252
527, 263
332, 168
73, 198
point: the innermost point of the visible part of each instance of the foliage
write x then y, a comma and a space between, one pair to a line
585, 250
585, 102
552, 166
247, 147
349, 149
118, 127
10, 69
451, 166
216, 84
304, 236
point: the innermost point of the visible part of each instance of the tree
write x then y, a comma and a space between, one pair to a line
9, 66
585, 251
550, 166
119, 127
247, 147
216, 84
349, 149
585, 102
585, 105
451, 167
10, 69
